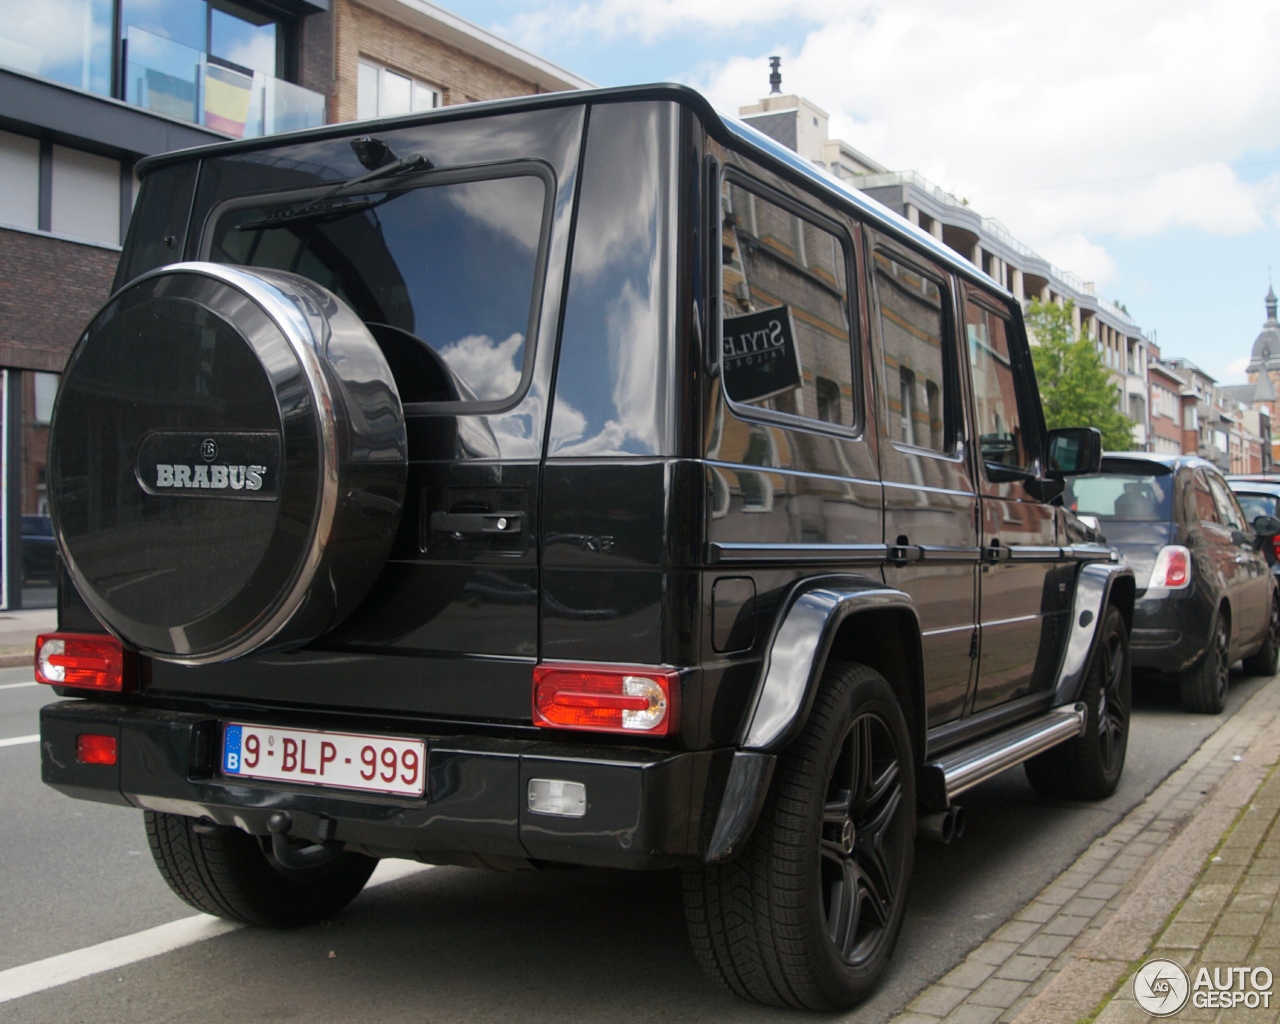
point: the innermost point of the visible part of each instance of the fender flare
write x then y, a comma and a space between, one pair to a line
1095, 584
798, 648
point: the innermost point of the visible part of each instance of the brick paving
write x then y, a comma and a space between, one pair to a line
1206, 834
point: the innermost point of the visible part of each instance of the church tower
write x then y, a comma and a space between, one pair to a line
1264, 364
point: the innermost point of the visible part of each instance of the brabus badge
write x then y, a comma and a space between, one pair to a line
228, 464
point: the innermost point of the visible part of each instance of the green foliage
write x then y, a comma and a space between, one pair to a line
1075, 386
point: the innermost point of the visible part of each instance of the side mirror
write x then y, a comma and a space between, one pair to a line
1074, 451
1266, 526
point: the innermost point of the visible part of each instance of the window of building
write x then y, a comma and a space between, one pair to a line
911, 331
19, 181
68, 41
1000, 431
786, 344
85, 196
381, 92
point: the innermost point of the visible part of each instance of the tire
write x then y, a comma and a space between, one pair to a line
1204, 687
808, 913
1266, 660
229, 873
1088, 767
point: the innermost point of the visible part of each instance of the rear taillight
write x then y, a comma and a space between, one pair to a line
1275, 546
88, 661
92, 748
1172, 570
606, 698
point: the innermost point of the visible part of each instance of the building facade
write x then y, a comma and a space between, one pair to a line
90, 87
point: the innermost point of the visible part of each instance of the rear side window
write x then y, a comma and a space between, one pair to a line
445, 275
786, 345
1132, 497
913, 329
1200, 501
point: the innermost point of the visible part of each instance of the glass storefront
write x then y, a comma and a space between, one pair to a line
210, 62
38, 552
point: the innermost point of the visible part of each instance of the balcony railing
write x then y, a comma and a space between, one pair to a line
183, 83
993, 229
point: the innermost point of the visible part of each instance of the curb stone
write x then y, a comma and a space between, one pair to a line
1071, 947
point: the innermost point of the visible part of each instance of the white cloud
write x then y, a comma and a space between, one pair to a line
1064, 120
1235, 372
488, 368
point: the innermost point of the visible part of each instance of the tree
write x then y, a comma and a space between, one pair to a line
1075, 387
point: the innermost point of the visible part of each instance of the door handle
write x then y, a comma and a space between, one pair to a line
477, 522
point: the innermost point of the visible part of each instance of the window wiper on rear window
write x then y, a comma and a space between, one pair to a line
320, 206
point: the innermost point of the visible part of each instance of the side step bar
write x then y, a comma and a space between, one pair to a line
950, 775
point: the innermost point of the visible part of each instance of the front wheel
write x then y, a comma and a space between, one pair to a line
231, 874
1088, 767
808, 914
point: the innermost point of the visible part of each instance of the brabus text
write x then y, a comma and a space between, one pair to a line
218, 478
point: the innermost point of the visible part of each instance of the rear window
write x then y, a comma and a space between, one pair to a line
445, 275
1255, 505
1129, 496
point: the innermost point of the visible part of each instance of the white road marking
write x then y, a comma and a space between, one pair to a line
65, 968
14, 686
14, 741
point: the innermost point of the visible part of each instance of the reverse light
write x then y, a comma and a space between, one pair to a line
92, 748
89, 661
1172, 570
558, 797
606, 698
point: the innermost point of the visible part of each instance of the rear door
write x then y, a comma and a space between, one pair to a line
930, 501
1251, 600
1023, 584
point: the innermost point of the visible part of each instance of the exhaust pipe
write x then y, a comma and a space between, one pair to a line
941, 826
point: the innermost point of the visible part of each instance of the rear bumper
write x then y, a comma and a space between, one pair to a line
1171, 629
645, 808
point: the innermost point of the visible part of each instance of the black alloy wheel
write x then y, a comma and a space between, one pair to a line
808, 912
1113, 702
859, 882
1088, 766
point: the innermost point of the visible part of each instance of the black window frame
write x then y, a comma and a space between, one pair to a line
1024, 381
837, 229
428, 179
953, 408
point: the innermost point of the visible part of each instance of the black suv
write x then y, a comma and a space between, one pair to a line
1206, 597
575, 479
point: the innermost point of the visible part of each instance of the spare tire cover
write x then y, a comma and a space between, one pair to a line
227, 462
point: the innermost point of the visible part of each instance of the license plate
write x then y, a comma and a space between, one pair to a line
376, 764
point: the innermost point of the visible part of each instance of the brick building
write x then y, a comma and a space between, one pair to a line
90, 87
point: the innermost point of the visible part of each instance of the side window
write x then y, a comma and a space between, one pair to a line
785, 325
912, 328
1000, 432
1202, 502
1228, 510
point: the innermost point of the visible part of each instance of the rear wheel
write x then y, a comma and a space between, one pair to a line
1204, 687
1266, 661
231, 874
1089, 766
807, 915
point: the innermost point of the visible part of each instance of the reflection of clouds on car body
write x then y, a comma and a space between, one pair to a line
488, 368
634, 334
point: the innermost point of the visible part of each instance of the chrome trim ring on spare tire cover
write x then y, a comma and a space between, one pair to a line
227, 462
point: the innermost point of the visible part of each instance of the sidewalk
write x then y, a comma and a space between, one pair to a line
18, 632
1192, 874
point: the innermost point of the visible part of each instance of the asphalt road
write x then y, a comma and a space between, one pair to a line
457, 945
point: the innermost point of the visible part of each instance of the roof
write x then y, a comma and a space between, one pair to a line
446, 26
1169, 461
1247, 486
728, 129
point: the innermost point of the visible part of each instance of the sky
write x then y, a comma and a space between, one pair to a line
1134, 142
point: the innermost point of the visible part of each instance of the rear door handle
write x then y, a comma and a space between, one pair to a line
477, 522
